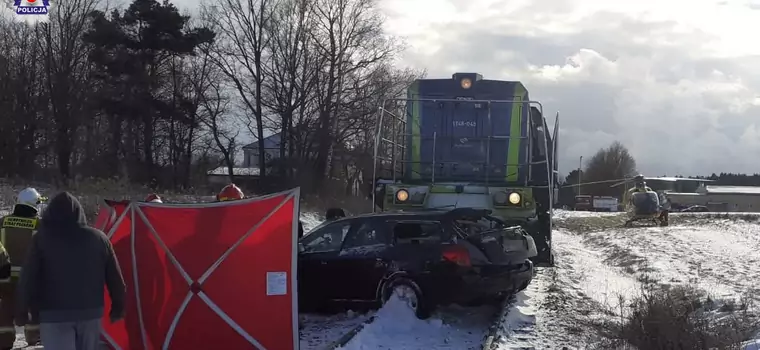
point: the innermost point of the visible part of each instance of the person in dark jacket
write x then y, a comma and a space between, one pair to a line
63, 276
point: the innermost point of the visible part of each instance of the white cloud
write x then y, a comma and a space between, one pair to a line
676, 81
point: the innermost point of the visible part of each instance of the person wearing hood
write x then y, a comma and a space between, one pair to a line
16, 234
66, 267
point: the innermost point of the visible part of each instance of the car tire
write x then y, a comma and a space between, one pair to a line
410, 291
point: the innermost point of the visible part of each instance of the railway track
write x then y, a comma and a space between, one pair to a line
454, 327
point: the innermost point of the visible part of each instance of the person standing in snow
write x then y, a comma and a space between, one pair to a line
16, 232
8, 333
63, 276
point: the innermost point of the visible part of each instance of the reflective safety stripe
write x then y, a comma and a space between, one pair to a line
2, 236
5, 280
7, 329
31, 327
16, 268
19, 222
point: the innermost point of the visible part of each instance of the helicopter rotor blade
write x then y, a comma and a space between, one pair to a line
599, 182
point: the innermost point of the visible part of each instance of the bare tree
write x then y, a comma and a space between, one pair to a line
66, 73
241, 54
209, 85
291, 70
349, 37
613, 162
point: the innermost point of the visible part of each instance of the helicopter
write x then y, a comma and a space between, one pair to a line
642, 204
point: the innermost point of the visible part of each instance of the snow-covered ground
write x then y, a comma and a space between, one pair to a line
564, 214
546, 314
596, 273
720, 257
318, 332
396, 327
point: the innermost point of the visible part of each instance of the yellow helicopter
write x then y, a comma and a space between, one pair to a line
641, 203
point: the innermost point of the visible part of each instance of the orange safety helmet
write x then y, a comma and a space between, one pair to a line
153, 198
230, 193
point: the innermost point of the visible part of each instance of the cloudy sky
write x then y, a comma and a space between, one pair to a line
677, 81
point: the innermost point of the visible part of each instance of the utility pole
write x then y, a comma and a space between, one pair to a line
580, 166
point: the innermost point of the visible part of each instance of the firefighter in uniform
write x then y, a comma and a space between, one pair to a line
664, 209
16, 232
230, 193
153, 198
7, 333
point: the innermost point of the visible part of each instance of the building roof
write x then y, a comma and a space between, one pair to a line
684, 194
270, 142
733, 189
675, 179
224, 171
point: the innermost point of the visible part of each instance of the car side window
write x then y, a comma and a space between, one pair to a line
369, 236
327, 239
417, 232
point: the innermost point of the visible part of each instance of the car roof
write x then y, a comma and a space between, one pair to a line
397, 214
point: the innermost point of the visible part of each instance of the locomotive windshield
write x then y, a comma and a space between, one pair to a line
480, 137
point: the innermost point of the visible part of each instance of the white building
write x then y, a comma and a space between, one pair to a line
271, 151
720, 198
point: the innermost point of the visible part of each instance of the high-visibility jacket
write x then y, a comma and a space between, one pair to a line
16, 236
5, 263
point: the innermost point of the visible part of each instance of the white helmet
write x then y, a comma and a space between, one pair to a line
29, 196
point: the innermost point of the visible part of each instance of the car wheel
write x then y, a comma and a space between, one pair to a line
409, 292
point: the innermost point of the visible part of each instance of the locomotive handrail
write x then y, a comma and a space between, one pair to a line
488, 137
458, 100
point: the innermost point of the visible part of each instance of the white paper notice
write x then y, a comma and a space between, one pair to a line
277, 283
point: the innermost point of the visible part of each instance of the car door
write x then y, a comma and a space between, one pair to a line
362, 260
316, 258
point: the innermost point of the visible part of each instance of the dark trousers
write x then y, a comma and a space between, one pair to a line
84, 335
663, 216
7, 311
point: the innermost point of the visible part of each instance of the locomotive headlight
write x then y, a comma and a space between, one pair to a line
466, 83
402, 195
514, 198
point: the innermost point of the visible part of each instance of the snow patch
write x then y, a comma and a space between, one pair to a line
560, 214
719, 258
518, 326
310, 220
590, 277
580, 287
751, 345
396, 327
319, 331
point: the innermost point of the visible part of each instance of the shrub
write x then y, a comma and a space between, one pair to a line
679, 318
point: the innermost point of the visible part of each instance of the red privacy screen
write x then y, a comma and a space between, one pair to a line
205, 275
